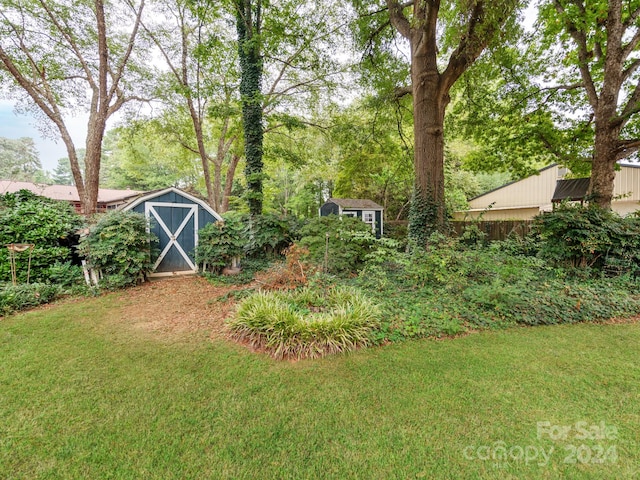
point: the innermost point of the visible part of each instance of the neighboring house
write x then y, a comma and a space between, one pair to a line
366, 210
526, 198
176, 218
108, 199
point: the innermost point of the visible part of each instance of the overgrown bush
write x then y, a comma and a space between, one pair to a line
241, 235
578, 236
120, 246
340, 244
220, 242
66, 275
550, 302
449, 288
306, 323
270, 234
397, 230
48, 224
19, 297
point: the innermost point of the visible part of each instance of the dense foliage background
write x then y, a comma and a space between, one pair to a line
51, 226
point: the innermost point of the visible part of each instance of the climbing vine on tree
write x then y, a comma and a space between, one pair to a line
248, 23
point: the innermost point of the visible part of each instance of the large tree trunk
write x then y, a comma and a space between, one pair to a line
248, 27
607, 135
224, 145
427, 213
92, 173
93, 156
430, 89
76, 172
603, 172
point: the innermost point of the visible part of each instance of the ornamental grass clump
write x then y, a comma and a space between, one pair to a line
306, 323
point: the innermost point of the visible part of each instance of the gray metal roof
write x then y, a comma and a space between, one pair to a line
355, 203
572, 189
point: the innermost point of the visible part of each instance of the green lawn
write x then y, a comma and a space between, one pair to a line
83, 396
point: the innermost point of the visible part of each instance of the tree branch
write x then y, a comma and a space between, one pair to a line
125, 58
633, 16
626, 148
631, 107
400, 92
398, 18
64, 32
631, 46
580, 39
473, 42
627, 72
384, 9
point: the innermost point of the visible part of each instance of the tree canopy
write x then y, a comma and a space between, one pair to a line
412, 104
58, 57
19, 160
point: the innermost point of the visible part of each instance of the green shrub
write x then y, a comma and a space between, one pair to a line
20, 297
397, 230
306, 323
340, 242
577, 236
120, 246
48, 224
449, 288
546, 303
66, 274
241, 234
220, 242
270, 234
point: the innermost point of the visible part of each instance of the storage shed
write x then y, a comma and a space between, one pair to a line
366, 210
175, 217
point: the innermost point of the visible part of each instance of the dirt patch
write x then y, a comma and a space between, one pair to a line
178, 305
622, 321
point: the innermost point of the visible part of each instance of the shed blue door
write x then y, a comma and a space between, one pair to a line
175, 217
176, 226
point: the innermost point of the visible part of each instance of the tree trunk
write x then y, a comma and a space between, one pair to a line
74, 164
93, 156
217, 181
224, 145
607, 134
251, 93
603, 171
427, 213
202, 152
228, 184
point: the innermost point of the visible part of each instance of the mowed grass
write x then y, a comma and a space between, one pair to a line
83, 395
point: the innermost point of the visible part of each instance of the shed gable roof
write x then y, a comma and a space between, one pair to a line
158, 193
356, 203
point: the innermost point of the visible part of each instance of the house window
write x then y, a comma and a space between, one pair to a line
350, 214
370, 218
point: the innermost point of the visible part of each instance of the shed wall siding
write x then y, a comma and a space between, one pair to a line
627, 182
625, 207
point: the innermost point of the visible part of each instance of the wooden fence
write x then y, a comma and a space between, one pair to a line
496, 229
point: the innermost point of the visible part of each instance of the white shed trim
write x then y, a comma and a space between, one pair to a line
152, 195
